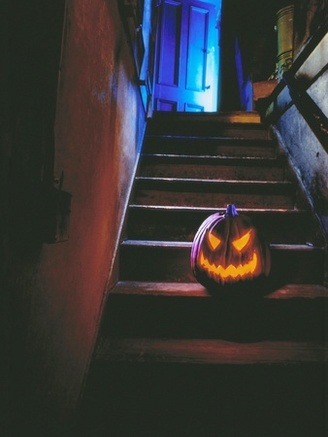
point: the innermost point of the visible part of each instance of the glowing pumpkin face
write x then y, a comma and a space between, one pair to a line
228, 249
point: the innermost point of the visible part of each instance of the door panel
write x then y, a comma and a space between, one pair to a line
193, 108
166, 105
197, 45
169, 54
187, 59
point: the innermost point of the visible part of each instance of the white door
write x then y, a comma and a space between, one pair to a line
187, 57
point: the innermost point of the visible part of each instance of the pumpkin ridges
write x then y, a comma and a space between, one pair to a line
211, 221
227, 264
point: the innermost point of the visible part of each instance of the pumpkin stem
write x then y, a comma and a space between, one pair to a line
231, 210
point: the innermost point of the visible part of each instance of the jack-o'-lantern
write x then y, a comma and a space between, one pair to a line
227, 249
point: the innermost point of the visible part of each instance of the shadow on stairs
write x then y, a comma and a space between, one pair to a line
174, 360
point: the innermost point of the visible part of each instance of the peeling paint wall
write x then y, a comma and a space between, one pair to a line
99, 129
96, 127
306, 153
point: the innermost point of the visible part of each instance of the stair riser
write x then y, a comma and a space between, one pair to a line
168, 225
130, 399
210, 147
230, 318
172, 264
208, 200
209, 129
227, 172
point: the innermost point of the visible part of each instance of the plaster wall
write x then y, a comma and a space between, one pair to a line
98, 133
56, 291
307, 155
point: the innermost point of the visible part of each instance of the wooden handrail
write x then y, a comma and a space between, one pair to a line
309, 47
311, 112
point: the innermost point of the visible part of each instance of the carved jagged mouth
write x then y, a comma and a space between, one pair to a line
231, 271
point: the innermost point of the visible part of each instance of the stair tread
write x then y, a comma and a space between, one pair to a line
273, 311
210, 192
188, 244
204, 125
191, 289
213, 159
212, 181
230, 117
211, 137
209, 351
210, 145
214, 210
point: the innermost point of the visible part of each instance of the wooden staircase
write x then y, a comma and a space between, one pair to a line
172, 360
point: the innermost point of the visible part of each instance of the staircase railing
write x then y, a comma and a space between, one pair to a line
298, 88
311, 112
293, 89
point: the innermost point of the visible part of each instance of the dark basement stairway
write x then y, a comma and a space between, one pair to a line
172, 360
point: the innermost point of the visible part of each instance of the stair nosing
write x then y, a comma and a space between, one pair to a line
210, 351
238, 117
215, 210
212, 181
196, 290
212, 137
188, 244
216, 158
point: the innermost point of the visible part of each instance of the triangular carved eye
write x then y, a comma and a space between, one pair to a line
242, 241
213, 241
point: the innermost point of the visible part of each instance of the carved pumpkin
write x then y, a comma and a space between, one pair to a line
227, 249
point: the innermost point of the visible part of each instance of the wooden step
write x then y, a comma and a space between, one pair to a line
206, 124
194, 290
248, 118
293, 312
174, 360
210, 167
170, 261
210, 351
174, 223
210, 146
141, 388
209, 193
